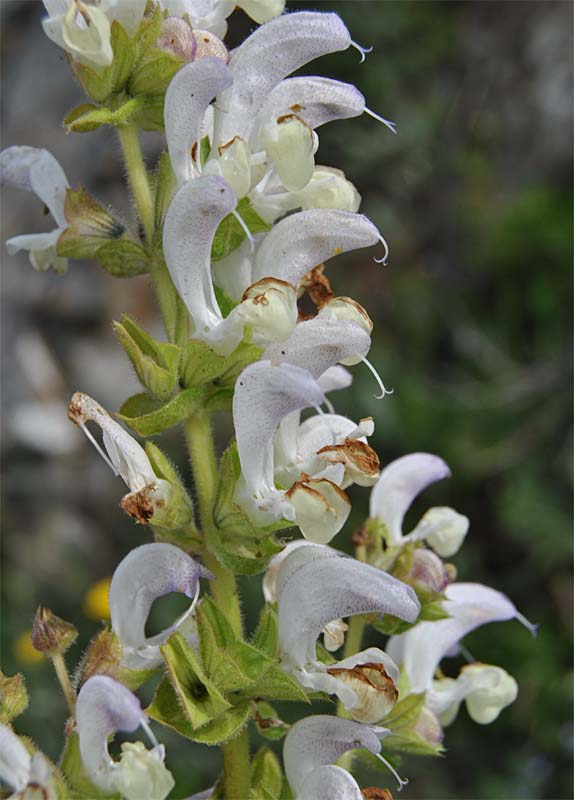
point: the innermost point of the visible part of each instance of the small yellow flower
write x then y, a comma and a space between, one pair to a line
96, 603
24, 650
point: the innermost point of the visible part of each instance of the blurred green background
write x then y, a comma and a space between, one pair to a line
472, 329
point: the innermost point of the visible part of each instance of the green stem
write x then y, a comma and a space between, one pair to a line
169, 302
138, 177
235, 753
64, 678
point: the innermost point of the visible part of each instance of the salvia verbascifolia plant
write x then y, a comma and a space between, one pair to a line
236, 222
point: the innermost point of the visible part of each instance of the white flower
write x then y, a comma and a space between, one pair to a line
104, 706
268, 307
125, 456
421, 649
312, 747
18, 768
400, 482
82, 27
267, 289
264, 394
486, 689
290, 479
261, 129
316, 585
146, 573
36, 170
334, 631
322, 440
339, 334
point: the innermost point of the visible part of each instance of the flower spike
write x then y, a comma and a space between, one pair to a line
149, 572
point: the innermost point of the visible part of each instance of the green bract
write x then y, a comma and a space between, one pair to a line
155, 363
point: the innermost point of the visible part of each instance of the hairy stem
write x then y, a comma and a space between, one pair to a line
64, 679
138, 177
223, 586
167, 297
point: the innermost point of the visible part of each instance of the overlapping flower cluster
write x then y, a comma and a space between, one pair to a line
243, 221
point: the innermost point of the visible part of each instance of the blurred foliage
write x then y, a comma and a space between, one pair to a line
472, 328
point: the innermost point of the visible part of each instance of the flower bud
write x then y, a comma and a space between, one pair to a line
234, 162
328, 188
176, 37
443, 529
495, 689
142, 773
290, 144
208, 45
50, 634
345, 308
270, 307
334, 634
321, 508
428, 727
427, 571
13, 697
376, 691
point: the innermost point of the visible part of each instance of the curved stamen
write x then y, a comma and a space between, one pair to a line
387, 122
96, 444
150, 734
532, 627
382, 387
248, 233
385, 258
188, 611
362, 50
393, 770
466, 654
329, 405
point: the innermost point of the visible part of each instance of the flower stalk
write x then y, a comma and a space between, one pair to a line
199, 437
